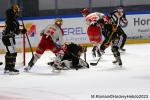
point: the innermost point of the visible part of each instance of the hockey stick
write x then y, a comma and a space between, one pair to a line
94, 64
85, 54
27, 37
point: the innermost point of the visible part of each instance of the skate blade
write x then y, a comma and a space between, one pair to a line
56, 71
13, 73
93, 64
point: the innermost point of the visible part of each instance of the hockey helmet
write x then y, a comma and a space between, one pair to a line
85, 11
120, 9
15, 8
106, 18
58, 21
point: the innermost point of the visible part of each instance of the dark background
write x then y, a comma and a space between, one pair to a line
35, 8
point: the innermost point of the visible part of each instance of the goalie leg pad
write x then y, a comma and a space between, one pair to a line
83, 63
10, 60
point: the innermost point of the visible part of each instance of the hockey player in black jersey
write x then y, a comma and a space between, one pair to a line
12, 29
111, 34
119, 18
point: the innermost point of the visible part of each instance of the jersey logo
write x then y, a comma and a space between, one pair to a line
51, 30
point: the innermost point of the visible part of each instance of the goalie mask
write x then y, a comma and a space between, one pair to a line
85, 11
58, 21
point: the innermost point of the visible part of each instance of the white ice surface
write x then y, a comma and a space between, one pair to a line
104, 79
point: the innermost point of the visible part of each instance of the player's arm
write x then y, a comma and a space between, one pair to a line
124, 19
111, 16
49, 31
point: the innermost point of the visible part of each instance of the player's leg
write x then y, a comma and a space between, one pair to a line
105, 44
11, 54
39, 51
116, 53
94, 37
123, 38
94, 51
98, 49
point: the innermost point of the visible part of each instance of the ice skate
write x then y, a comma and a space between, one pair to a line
26, 69
119, 62
11, 72
6, 71
114, 62
94, 52
102, 52
122, 50
56, 68
30, 64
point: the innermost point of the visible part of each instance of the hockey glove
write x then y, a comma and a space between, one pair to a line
23, 31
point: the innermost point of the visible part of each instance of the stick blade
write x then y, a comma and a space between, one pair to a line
93, 64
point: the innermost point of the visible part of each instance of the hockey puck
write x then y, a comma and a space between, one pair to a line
1, 63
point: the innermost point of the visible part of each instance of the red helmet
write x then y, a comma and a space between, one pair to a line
85, 11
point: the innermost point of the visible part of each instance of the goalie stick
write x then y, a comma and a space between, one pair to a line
85, 54
27, 38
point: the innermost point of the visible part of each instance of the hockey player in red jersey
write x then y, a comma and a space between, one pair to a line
52, 39
93, 20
